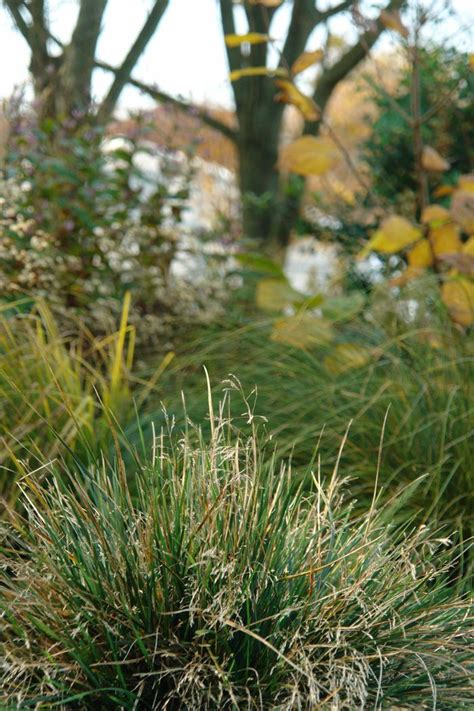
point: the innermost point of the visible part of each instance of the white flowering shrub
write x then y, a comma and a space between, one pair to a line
76, 231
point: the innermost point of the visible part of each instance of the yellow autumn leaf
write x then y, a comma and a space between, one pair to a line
395, 233
468, 247
302, 331
290, 94
250, 38
256, 72
420, 256
471, 61
275, 294
466, 183
308, 155
443, 190
458, 295
392, 21
432, 161
445, 239
305, 60
435, 215
347, 356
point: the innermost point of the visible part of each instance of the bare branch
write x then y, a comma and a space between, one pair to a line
161, 96
421, 177
122, 74
341, 7
304, 19
14, 7
228, 25
330, 78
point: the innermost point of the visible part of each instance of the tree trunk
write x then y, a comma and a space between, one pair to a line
75, 74
260, 122
259, 187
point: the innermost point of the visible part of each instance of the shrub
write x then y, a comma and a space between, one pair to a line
221, 586
81, 224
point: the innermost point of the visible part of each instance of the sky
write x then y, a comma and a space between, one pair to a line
186, 57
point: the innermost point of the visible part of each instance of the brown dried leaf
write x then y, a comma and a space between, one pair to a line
432, 161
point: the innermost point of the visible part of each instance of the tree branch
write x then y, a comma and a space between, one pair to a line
39, 32
350, 59
122, 74
14, 7
234, 56
79, 55
341, 7
228, 25
161, 96
303, 21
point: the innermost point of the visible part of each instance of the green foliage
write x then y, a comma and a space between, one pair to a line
222, 586
447, 85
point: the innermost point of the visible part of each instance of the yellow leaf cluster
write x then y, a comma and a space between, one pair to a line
308, 155
290, 94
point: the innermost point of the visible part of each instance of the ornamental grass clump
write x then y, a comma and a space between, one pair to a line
62, 390
221, 585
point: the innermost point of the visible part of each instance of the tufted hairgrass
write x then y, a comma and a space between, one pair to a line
220, 584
